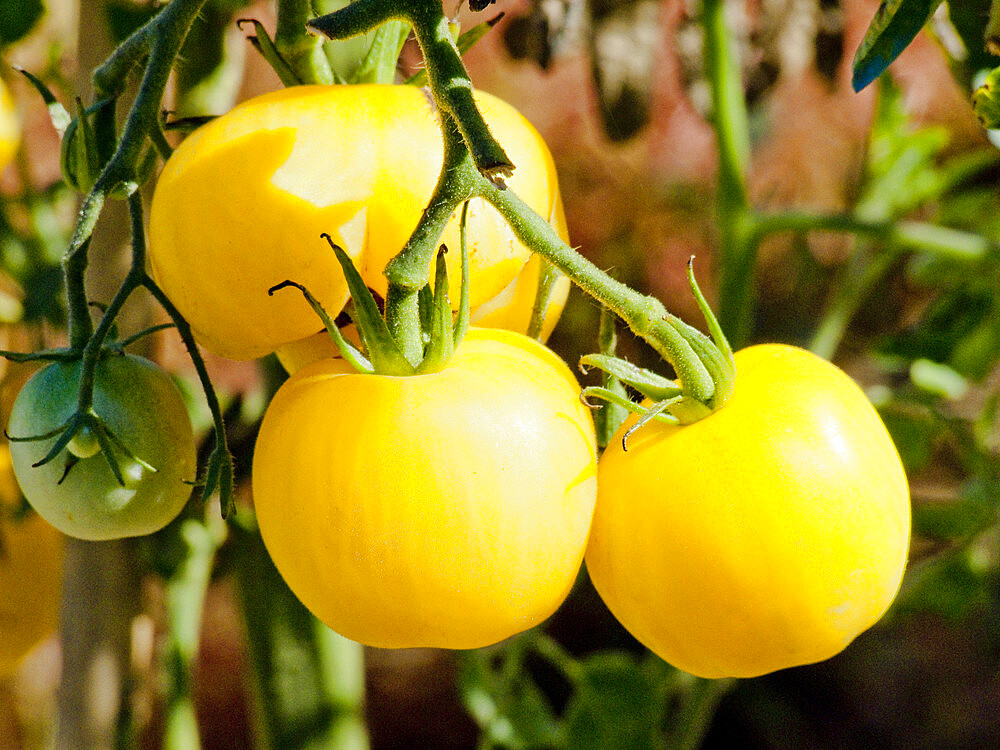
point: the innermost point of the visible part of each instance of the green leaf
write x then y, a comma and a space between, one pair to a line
17, 18
614, 706
506, 704
263, 43
974, 509
967, 19
892, 29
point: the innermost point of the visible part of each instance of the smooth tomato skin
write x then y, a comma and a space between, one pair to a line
31, 553
767, 535
242, 202
10, 127
141, 405
442, 510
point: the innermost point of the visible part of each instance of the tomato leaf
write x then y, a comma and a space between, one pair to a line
892, 29
17, 18
614, 705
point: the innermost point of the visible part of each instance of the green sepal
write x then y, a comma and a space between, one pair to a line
384, 353
425, 309
659, 411
548, 275
715, 354
650, 384
78, 155
464, 43
461, 325
58, 114
263, 43
106, 439
379, 64
442, 342
613, 397
354, 357
710, 320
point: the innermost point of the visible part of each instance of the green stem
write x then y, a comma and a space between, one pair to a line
863, 272
697, 707
644, 314
446, 71
220, 473
409, 271
471, 162
737, 247
310, 681
185, 598
302, 51
911, 235
161, 39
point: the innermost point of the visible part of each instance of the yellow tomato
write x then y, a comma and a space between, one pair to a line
765, 536
10, 128
30, 575
241, 204
448, 510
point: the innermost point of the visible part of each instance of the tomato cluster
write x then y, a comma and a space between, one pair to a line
454, 508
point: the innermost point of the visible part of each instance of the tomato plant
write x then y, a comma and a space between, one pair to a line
30, 574
764, 536
449, 509
241, 204
9, 126
77, 491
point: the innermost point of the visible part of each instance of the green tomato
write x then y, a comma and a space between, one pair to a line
142, 408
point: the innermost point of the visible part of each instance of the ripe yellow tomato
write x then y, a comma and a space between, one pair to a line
30, 575
10, 128
448, 510
241, 204
765, 536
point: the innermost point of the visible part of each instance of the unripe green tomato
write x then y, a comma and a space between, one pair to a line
142, 407
447, 510
765, 536
241, 204
31, 553
10, 127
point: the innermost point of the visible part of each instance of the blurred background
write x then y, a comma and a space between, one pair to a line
617, 89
